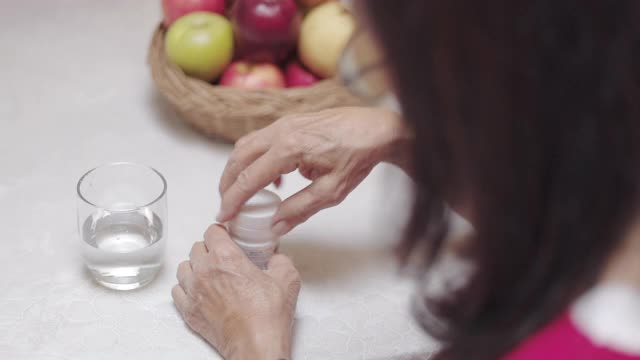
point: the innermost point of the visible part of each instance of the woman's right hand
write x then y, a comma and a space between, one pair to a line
335, 149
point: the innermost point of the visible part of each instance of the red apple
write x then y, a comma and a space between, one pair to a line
243, 74
173, 9
265, 30
296, 75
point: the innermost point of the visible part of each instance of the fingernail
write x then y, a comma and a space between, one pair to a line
281, 228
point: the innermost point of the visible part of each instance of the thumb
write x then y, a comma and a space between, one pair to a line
324, 192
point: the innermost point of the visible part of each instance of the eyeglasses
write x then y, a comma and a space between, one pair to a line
362, 68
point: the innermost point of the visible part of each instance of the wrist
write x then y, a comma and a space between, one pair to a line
398, 149
262, 345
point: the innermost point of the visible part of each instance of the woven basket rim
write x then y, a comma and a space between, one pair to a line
228, 112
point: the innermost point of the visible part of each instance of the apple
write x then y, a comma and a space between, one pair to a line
296, 75
201, 44
311, 3
246, 75
173, 9
324, 34
265, 30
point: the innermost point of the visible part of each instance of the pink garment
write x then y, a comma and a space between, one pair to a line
562, 340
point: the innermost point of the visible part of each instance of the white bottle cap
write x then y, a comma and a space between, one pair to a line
257, 213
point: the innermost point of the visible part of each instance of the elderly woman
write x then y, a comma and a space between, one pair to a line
522, 115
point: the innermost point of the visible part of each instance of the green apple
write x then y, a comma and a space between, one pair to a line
201, 44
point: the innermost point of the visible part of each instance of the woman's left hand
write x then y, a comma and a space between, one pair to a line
244, 312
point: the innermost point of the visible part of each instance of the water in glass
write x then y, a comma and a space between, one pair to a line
123, 250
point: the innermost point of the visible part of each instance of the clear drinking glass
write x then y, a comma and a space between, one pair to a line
122, 220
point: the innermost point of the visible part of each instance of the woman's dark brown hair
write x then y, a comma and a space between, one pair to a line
529, 111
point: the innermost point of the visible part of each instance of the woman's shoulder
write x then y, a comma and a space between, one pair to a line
604, 324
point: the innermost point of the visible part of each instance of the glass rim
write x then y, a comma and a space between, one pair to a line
118, 163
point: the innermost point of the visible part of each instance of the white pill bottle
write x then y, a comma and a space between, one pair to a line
251, 228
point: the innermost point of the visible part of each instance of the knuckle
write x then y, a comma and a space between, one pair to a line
199, 281
324, 195
190, 316
196, 250
207, 268
232, 164
201, 269
194, 247
334, 198
182, 269
243, 180
243, 140
299, 216
290, 145
228, 255
337, 193
175, 290
235, 157
198, 269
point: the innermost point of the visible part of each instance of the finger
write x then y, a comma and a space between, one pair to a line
320, 194
198, 250
220, 246
185, 275
180, 298
246, 151
310, 173
282, 270
213, 234
255, 177
278, 182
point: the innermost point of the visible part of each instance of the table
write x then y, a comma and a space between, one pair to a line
75, 92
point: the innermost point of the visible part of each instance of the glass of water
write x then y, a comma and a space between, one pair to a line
122, 217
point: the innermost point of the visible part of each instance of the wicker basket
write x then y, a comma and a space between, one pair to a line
229, 113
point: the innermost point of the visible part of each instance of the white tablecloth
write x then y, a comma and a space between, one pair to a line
75, 92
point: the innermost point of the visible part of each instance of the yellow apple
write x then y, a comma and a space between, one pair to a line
324, 33
311, 3
201, 44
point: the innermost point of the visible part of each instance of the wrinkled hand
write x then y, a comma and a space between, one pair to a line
244, 312
335, 148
